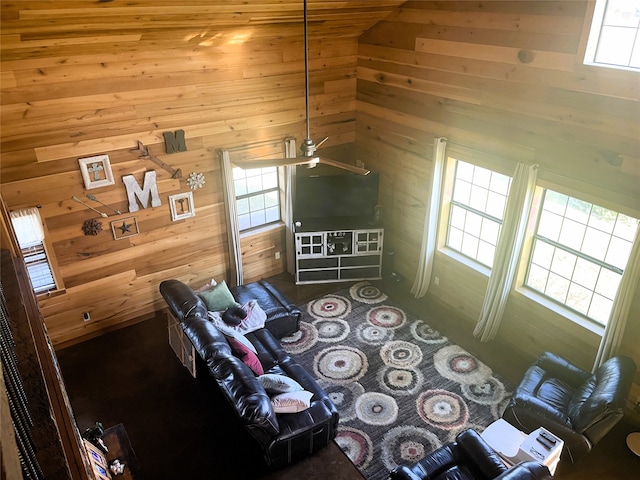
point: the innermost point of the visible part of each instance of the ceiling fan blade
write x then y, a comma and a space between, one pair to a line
345, 166
276, 162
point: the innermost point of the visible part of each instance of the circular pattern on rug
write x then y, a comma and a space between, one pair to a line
386, 316
343, 396
356, 445
455, 363
407, 444
487, 393
332, 329
373, 334
302, 340
329, 306
340, 364
442, 409
364, 292
422, 332
375, 408
400, 381
401, 354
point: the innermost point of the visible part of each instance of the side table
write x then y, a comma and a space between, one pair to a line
514, 446
117, 441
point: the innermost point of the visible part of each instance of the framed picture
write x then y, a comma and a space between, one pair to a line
123, 228
182, 206
96, 171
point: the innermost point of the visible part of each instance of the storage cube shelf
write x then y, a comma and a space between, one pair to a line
333, 256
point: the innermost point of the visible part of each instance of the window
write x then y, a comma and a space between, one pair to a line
478, 203
580, 251
30, 235
614, 38
257, 196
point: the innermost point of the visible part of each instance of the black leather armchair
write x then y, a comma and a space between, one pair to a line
574, 404
468, 458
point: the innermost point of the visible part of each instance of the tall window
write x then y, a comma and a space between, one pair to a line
580, 251
614, 38
30, 235
477, 209
257, 196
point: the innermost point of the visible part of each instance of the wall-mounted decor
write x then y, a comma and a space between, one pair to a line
92, 227
127, 227
174, 142
144, 152
182, 206
96, 171
149, 189
195, 180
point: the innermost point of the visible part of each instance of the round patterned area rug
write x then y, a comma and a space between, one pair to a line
402, 389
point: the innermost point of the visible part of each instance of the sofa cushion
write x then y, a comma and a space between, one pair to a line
249, 358
275, 383
291, 402
218, 297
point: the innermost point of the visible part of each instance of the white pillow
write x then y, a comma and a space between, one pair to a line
291, 402
275, 383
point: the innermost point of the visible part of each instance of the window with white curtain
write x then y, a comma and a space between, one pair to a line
614, 37
580, 251
257, 196
29, 231
476, 211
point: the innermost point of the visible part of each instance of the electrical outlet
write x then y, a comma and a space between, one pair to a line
436, 281
86, 316
277, 255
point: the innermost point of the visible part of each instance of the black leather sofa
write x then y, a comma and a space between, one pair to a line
578, 406
469, 457
283, 437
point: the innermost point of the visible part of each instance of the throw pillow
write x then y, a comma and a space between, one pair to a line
291, 402
249, 358
229, 331
218, 297
275, 383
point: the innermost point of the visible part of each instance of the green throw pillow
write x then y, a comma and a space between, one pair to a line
218, 298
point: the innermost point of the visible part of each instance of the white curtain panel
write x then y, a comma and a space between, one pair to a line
289, 192
427, 252
508, 251
614, 331
233, 227
28, 226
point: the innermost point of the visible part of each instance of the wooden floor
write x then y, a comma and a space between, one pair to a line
181, 428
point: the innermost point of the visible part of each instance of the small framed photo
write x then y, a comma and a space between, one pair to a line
126, 227
182, 206
96, 171
98, 461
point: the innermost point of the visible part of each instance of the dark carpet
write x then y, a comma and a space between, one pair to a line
402, 388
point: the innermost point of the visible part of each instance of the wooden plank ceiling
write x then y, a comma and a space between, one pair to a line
33, 23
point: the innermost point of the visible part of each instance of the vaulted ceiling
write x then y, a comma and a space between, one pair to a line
64, 19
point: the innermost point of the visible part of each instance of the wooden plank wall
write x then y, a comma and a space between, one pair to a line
85, 78
503, 78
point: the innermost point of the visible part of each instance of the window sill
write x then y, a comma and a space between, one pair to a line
262, 229
466, 261
559, 310
51, 294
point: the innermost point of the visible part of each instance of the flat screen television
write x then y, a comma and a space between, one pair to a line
336, 199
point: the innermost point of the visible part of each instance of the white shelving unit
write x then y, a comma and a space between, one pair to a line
333, 256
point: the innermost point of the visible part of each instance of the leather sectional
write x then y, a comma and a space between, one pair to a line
283, 437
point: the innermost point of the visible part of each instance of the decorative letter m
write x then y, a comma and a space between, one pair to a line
174, 142
149, 189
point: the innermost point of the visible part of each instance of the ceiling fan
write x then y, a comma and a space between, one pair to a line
308, 148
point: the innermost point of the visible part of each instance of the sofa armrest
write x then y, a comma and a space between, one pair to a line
479, 453
526, 471
182, 300
403, 473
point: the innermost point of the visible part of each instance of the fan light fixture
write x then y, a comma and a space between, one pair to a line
308, 147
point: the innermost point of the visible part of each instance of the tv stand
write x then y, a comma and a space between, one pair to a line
324, 256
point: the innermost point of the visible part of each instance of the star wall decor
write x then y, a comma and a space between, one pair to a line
195, 180
126, 227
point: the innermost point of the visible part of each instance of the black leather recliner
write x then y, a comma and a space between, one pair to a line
578, 406
468, 458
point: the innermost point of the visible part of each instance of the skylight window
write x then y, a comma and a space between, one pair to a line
614, 39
